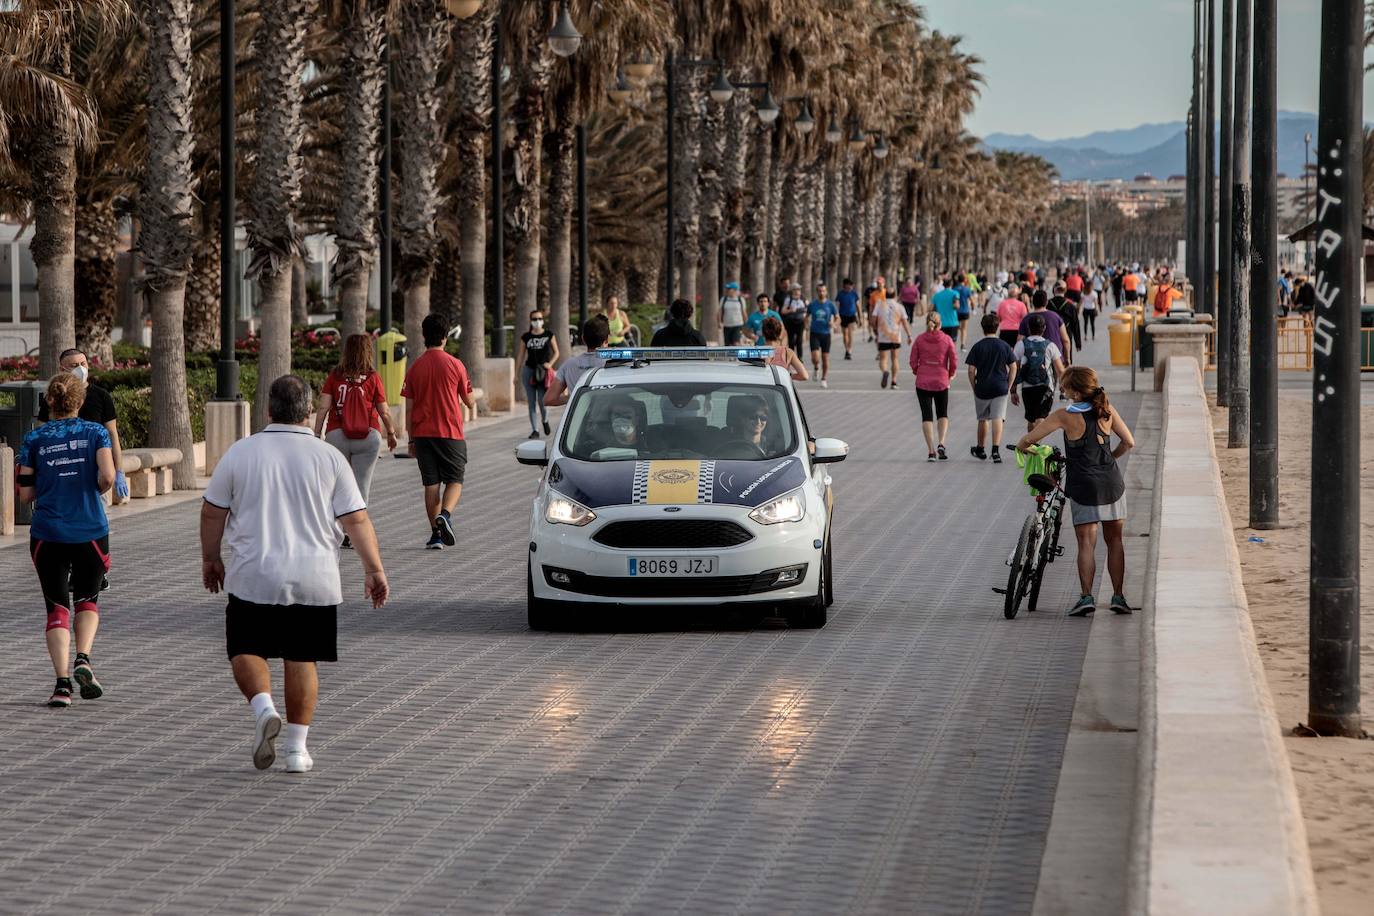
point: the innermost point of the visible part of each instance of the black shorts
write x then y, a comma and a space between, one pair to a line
1009, 337
1038, 401
294, 632
934, 404
847, 320
70, 574
1132, 295
820, 342
887, 345
1074, 295
441, 460
952, 332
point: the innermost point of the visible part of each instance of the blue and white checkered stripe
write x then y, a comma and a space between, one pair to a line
706, 482
639, 491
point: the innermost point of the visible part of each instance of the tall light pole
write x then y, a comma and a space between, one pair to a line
1209, 165
1333, 697
227, 369
384, 195
1264, 377
1224, 191
497, 268
1307, 191
1238, 320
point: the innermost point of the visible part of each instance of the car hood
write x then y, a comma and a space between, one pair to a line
624, 483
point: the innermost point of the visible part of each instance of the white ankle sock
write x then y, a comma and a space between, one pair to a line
260, 703
295, 736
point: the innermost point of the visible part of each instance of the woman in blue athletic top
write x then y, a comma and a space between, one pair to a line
64, 467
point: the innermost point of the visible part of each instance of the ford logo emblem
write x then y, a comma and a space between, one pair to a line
672, 508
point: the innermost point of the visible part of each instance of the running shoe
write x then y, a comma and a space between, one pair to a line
977, 452
444, 526
996, 455
299, 761
1084, 606
930, 457
1119, 605
534, 434
85, 677
848, 355
944, 455
884, 384
264, 739
825, 383
547, 430
435, 542
62, 694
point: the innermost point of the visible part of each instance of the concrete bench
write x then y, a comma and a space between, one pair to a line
149, 470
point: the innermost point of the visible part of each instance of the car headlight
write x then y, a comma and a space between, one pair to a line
563, 511
788, 507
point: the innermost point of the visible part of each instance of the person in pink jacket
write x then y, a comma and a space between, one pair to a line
934, 362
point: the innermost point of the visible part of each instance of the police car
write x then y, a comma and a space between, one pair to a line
682, 477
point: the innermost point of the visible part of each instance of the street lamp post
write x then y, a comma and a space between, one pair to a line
384, 192
497, 268
1307, 191
1264, 376
227, 370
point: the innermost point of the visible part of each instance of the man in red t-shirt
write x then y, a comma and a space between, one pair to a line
435, 389
1073, 286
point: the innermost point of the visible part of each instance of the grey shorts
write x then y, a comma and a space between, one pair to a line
1091, 515
991, 408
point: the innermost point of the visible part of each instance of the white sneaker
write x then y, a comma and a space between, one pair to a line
824, 383
299, 761
264, 736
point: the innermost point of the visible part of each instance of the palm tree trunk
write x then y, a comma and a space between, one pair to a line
300, 302
829, 239
165, 207
734, 180
96, 284
53, 165
712, 130
471, 86
777, 179
527, 153
562, 157
201, 319
688, 191
756, 219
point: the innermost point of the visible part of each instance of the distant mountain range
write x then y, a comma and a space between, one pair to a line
1157, 149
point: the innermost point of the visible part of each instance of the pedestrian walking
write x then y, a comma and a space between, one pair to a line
1093, 481
1054, 331
890, 326
280, 498
934, 362
847, 301
538, 351
436, 389
1036, 356
824, 316
1067, 310
783, 355
946, 304
876, 295
353, 412
594, 333
793, 311
98, 407
733, 309
764, 311
1010, 311
909, 294
1089, 305
679, 331
965, 307
64, 467
991, 373
617, 321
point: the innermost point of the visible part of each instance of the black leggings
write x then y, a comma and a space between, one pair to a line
70, 574
933, 404
795, 331
1090, 322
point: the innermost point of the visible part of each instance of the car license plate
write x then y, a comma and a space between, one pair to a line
668, 567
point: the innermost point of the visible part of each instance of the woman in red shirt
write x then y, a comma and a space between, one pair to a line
934, 362
353, 411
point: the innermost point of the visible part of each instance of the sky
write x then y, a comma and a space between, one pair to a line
1059, 68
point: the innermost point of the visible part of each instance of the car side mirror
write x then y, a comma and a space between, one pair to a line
828, 451
533, 452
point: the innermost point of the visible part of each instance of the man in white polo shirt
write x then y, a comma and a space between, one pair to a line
281, 497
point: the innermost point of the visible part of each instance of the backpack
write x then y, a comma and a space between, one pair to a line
355, 411
1036, 370
1163, 298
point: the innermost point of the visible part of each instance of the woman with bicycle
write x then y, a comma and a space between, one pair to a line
1093, 481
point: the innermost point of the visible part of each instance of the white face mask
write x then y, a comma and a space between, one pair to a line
536, 325
81, 372
622, 427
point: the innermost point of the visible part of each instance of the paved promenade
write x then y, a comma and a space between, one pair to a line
902, 759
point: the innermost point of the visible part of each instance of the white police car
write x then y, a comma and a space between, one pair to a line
682, 477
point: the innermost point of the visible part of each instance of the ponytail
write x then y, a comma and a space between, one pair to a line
1098, 397
1081, 383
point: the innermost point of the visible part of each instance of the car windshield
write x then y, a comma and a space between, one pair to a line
692, 420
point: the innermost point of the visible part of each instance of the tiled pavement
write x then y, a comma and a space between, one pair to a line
903, 759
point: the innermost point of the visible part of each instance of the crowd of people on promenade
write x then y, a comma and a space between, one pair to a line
286, 500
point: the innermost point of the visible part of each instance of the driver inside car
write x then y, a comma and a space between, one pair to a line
748, 420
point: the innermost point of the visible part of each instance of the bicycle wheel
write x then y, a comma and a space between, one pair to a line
1021, 563
1037, 573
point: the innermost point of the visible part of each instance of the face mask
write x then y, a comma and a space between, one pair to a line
536, 325
622, 427
81, 372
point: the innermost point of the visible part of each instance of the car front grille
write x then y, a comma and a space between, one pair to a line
677, 587
675, 533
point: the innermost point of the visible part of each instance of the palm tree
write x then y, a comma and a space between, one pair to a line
361, 26
165, 213
48, 117
274, 238
421, 48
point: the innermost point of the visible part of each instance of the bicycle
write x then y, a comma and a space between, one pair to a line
1038, 544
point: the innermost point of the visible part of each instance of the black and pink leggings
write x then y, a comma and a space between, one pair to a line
70, 576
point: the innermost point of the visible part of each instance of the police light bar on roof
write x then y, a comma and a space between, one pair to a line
660, 354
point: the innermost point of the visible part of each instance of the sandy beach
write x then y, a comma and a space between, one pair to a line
1335, 777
